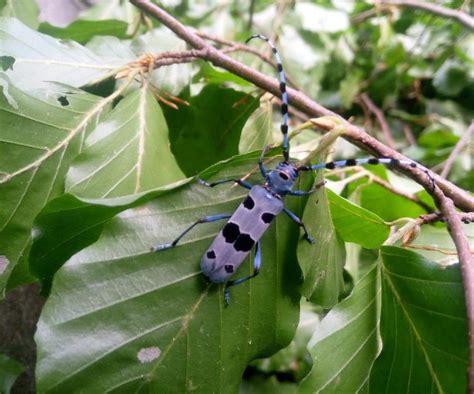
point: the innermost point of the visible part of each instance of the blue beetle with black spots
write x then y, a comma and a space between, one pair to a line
248, 223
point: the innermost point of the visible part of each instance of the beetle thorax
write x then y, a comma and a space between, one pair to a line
280, 180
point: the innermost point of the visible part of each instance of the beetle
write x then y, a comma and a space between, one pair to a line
252, 218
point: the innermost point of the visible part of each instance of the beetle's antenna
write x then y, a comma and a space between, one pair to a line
284, 95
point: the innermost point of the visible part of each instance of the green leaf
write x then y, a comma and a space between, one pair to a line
322, 263
451, 78
127, 153
345, 344
65, 226
356, 224
214, 75
388, 206
423, 326
9, 372
40, 59
83, 31
172, 78
38, 139
27, 11
258, 130
208, 130
349, 88
121, 318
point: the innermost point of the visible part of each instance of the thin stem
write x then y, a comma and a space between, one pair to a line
463, 141
379, 115
456, 15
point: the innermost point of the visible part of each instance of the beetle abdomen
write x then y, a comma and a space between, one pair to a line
239, 235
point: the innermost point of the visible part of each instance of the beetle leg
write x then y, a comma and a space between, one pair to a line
206, 219
300, 223
257, 263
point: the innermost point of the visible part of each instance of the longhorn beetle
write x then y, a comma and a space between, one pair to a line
252, 218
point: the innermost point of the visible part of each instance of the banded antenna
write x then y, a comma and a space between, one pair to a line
284, 95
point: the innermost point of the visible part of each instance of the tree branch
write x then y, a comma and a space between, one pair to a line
302, 102
457, 149
380, 119
457, 15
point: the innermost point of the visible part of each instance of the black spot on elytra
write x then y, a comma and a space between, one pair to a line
284, 108
284, 128
282, 87
373, 161
229, 268
395, 162
244, 243
351, 162
63, 100
330, 166
279, 67
283, 176
211, 254
249, 203
267, 217
230, 232
413, 165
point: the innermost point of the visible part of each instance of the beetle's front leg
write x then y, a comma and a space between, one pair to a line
300, 223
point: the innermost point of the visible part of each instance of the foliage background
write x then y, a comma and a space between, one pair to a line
101, 196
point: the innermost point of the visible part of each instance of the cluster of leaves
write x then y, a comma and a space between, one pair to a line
94, 171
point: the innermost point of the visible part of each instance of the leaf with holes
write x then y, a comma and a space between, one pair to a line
345, 344
423, 326
323, 262
39, 137
127, 153
40, 59
150, 321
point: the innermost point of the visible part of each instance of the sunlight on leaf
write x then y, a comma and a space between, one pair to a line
127, 153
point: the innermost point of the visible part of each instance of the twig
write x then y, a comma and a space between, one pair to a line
457, 149
302, 102
457, 15
380, 119
409, 134
237, 46
437, 216
382, 182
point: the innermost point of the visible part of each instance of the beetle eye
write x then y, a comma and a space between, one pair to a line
283, 176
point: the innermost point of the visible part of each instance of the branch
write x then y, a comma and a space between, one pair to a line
302, 102
237, 46
380, 119
457, 15
457, 149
